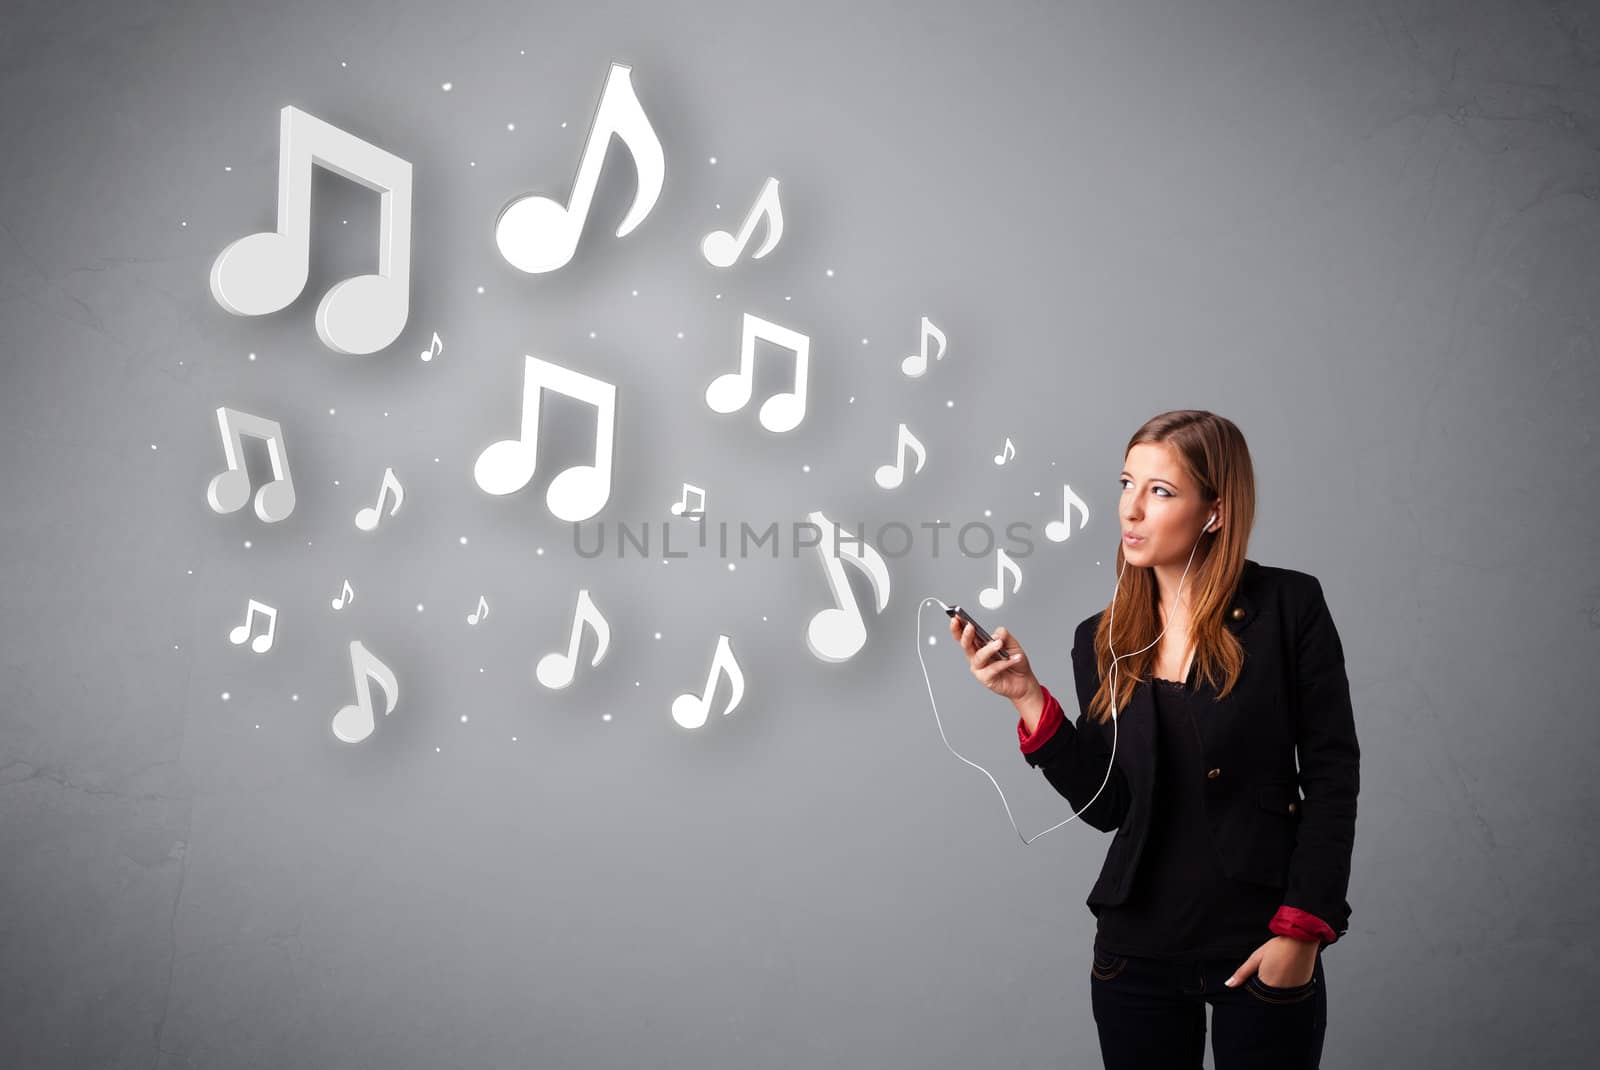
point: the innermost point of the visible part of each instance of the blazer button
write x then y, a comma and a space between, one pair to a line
1291, 808
1238, 614
1213, 774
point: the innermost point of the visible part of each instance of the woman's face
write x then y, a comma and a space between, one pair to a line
1161, 505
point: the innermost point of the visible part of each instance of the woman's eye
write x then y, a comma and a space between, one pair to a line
1125, 482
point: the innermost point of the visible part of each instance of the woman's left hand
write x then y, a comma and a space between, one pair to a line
1283, 962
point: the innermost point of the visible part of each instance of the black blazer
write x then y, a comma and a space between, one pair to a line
1271, 823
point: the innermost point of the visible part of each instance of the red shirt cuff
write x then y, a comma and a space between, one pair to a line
1296, 923
1049, 720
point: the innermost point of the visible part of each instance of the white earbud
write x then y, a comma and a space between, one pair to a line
1209, 521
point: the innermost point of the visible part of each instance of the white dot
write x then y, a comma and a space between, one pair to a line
1035, 494
294, 698
224, 696
174, 646
386, 414
436, 460
480, 668
719, 207
658, 635
863, 341
763, 616
436, 750
191, 572
258, 726
539, 551
472, 163
788, 297
636, 293
336, 482
932, 640
950, 404
480, 289
511, 126
247, 544
463, 540
513, 739
563, 125
330, 412
591, 334
805, 468
183, 223
719, 297
713, 159
636, 683
225, 167
463, 718
852, 399
988, 512
445, 87
605, 717
680, 334
419, 607
344, 222
830, 273
250, 356
342, 63
152, 445
730, 566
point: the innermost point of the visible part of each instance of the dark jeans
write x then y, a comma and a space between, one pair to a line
1151, 1015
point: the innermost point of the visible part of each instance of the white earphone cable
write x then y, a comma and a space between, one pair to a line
1114, 721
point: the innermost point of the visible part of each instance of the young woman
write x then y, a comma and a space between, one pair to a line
1214, 673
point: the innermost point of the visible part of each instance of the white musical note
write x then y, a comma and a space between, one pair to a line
575, 493
229, 490
691, 710
680, 507
917, 363
730, 392
367, 519
263, 642
265, 272
480, 613
890, 476
1061, 530
838, 634
354, 723
346, 596
1008, 452
435, 347
722, 249
537, 234
995, 597
557, 670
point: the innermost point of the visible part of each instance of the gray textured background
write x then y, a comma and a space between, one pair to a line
1367, 233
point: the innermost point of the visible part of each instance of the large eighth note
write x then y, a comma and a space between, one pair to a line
264, 272
839, 633
731, 392
228, 491
995, 597
557, 670
354, 723
537, 234
576, 493
691, 710
722, 249
890, 476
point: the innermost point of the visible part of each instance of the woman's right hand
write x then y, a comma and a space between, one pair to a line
1010, 677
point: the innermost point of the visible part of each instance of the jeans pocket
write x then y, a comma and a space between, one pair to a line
1106, 967
1273, 994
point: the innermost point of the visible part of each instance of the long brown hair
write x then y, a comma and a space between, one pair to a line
1213, 454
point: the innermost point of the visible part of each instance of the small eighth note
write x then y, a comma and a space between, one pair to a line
481, 612
346, 596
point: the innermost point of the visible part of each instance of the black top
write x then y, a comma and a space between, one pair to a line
1181, 904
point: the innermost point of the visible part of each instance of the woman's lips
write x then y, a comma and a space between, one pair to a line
1132, 540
